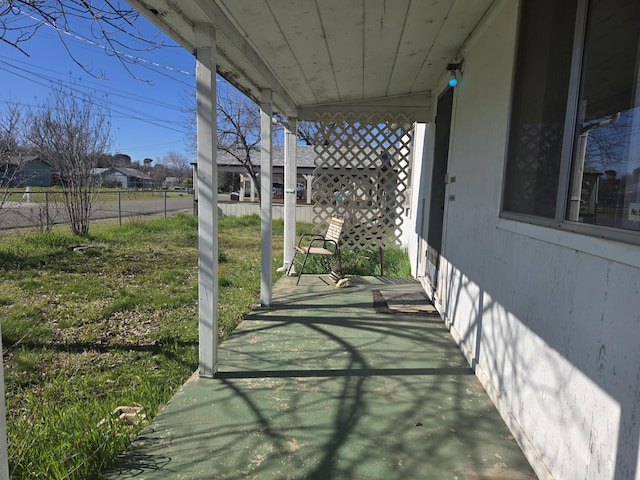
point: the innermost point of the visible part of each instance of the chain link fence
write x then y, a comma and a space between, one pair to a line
40, 210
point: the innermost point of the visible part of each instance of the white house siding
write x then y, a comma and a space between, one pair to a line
417, 213
549, 319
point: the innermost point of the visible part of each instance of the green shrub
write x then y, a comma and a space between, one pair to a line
358, 261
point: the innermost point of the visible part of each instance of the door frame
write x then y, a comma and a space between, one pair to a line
438, 191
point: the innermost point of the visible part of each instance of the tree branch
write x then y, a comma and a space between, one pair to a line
112, 27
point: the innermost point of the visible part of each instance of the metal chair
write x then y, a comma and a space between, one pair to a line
327, 245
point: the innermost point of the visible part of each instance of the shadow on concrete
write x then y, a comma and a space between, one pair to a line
320, 386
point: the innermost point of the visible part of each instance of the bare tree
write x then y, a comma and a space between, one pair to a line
112, 25
10, 130
307, 132
238, 126
159, 173
239, 130
71, 133
11, 147
238, 122
178, 164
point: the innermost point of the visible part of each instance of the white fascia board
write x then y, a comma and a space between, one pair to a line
418, 106
224, 27
173, 28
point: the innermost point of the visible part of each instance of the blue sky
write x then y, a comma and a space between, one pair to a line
147, 115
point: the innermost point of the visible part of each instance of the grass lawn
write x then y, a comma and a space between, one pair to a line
113, 323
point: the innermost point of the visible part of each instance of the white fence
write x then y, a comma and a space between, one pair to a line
304, 213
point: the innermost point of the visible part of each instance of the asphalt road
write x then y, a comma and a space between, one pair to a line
24, 215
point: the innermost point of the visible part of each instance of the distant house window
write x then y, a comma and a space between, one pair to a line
573, 157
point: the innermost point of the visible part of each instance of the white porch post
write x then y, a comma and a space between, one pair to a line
252, 188
290, 192
309, 180
4, 452
207, 200
266, 167
242, 188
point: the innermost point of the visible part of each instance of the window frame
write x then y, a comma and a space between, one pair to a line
560, 220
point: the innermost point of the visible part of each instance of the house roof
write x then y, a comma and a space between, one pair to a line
22, 160
132, 172
342, 159
327, 55
305, 157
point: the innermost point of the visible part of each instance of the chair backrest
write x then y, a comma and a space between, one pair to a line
335, 229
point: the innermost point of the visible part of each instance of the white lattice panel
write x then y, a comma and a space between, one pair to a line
362, 174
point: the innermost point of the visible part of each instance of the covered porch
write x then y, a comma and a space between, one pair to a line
364, 72
324, 385
316, 383
543, 307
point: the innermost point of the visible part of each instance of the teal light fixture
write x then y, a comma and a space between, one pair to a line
453, 68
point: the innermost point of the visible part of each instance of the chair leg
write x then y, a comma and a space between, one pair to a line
293, 262
302, 267
336, 274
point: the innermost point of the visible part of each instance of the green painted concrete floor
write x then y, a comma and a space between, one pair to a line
321, 386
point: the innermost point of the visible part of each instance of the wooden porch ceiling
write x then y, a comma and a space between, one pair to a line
323, 55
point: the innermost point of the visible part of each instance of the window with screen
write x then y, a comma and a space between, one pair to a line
574, 140
605, 188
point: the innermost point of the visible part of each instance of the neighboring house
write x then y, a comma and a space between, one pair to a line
305, 160
100, 172
305, 165
25, 172
123, 177
541, 293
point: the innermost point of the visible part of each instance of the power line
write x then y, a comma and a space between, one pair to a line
131, 58
145, 148
123, 109
58, 76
